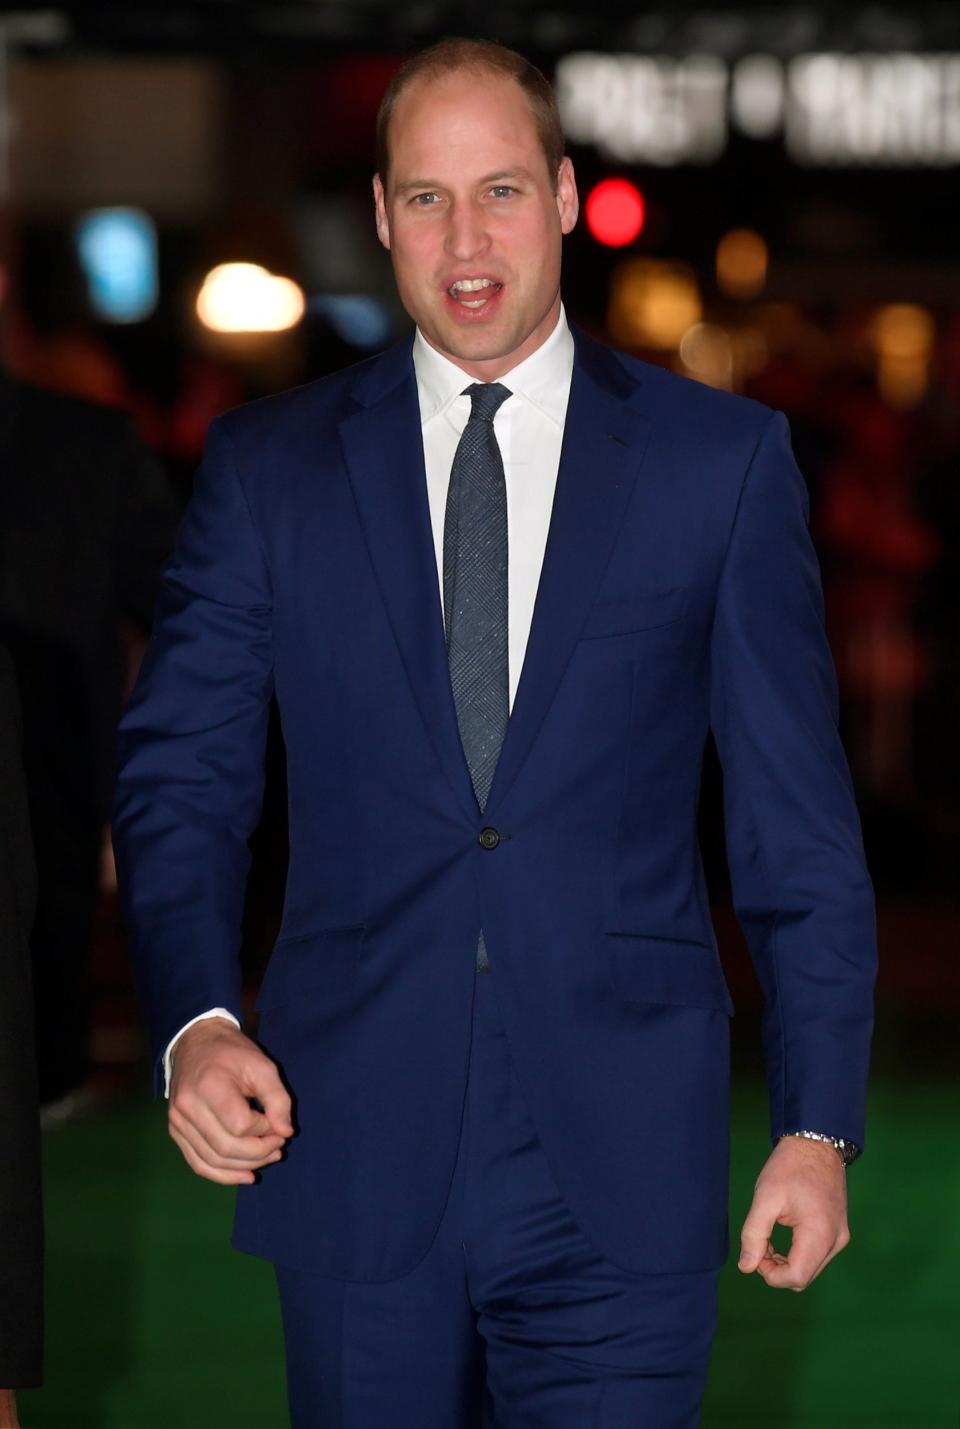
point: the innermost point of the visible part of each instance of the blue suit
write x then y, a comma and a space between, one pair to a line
679, 595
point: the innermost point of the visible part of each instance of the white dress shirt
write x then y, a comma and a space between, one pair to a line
529, 432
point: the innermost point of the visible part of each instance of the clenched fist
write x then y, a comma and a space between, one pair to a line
216, 1071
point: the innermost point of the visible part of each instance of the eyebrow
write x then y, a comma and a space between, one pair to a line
430, 184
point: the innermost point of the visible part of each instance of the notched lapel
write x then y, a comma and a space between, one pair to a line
603, 447
383, 449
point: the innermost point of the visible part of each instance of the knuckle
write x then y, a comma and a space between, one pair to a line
208, 1084
189, 1156
181, 1102
217, 1141
235, 1121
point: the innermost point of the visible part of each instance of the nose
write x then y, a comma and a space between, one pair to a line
467, 236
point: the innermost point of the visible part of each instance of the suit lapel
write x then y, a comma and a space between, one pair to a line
603, 446
383, 447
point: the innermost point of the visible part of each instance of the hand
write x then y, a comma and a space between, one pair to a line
216, 1069
8, 1410
803, 1185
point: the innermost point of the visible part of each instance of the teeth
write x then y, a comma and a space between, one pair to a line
471, 285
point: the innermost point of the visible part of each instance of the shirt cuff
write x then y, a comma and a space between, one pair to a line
168, 1054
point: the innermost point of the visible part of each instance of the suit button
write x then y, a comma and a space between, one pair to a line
489, 838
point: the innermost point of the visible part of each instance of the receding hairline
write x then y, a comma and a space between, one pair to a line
482, 58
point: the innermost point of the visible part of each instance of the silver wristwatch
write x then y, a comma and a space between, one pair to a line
848, 1151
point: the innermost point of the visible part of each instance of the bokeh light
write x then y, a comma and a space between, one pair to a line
615, 212
117, 248
653, 303
244, 297
903, 336
741, 263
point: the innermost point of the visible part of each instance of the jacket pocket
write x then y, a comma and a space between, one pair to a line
306, 961
645, 969
644, 611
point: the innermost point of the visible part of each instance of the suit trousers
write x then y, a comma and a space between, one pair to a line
512, 1319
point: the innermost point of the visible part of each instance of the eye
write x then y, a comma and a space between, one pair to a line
502, 190
424, 200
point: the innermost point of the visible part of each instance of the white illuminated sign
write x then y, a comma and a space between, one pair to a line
871, 109
894, 109
637, 108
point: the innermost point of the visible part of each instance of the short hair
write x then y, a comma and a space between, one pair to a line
476, 57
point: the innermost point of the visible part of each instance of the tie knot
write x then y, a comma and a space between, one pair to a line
486, 399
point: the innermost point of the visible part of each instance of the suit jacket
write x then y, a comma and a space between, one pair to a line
86, 522
679, 594
21, 1229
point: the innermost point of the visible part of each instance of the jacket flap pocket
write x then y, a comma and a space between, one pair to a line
644, 969
298, 962
642, 611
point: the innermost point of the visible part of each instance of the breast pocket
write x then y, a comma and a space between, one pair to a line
627, 616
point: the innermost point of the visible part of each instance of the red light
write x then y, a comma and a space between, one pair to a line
615, 212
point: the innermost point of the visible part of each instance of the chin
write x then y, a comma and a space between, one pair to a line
479, 344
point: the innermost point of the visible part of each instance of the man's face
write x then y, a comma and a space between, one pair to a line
471, 220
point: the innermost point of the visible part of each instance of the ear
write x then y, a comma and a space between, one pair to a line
380, 208
568, 201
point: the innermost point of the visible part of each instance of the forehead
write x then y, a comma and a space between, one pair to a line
460, 119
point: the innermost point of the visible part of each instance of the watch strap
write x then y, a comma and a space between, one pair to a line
848, 1151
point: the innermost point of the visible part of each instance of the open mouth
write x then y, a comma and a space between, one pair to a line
473, 293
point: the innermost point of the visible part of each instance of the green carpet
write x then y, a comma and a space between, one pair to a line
154, 1322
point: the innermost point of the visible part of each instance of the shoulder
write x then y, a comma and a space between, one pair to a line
305, 414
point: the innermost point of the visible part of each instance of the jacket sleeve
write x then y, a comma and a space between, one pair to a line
801, 889
190, 757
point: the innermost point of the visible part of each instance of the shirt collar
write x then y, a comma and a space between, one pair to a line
543, 378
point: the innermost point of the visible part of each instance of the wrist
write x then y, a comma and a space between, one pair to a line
209, 1029
846, 1150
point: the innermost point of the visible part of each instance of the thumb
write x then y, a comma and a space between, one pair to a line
755, 1236
275, 1100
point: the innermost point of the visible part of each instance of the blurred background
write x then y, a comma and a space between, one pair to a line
770, 206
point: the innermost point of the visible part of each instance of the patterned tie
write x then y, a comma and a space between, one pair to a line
475, 593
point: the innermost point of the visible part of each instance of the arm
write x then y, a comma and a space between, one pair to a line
188, 796
800, 886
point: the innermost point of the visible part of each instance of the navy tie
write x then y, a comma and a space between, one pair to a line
475, 593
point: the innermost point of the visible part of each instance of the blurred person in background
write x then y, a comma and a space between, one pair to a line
21, 1230
86, 520
881, 549
483, 1135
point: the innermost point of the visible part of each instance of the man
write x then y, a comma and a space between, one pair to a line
86, 521
484, 1136
21, 1229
